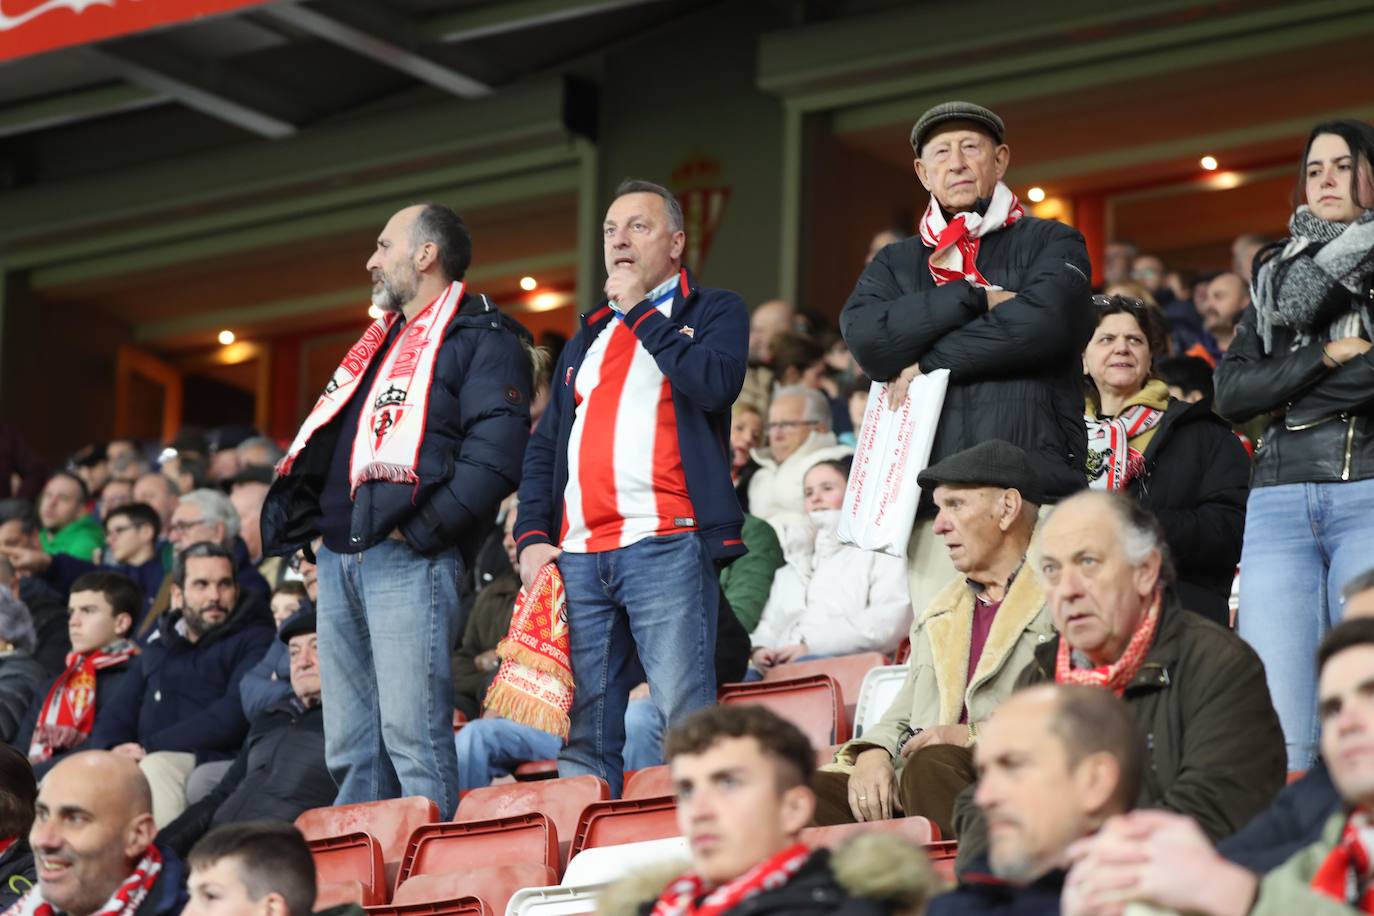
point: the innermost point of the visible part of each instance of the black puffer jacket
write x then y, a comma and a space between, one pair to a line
1015, 370
17, 873
20, 676
279, 773
477, 425
1322, 429
1196, 480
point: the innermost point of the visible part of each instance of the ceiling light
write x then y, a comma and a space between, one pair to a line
1035, 195
528, 283
374, 313
1209, 163
547, 301
226, 337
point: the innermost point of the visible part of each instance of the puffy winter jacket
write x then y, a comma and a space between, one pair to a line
1016, 369
184, 696
20, 676
476, 428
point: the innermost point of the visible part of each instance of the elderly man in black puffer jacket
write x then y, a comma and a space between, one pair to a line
1000, 299
281, 770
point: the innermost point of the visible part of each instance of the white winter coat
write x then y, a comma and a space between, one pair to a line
835, 598
775, 490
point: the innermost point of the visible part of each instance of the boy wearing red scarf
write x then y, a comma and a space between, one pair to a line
100, 614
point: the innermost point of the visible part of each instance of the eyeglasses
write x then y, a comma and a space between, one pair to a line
115, 531
183, 527
789, 424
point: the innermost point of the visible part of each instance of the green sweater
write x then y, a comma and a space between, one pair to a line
747, 580
81, 539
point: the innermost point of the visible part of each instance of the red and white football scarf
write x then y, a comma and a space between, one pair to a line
1345, 874
1110, 454
392, 422
534, 685
956, 242
125, 901
1116, 676
68, 712
682, 896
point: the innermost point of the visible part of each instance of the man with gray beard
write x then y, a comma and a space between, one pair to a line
399, 469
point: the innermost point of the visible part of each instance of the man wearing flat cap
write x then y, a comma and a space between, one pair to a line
1000, 299
967, 648
281, 769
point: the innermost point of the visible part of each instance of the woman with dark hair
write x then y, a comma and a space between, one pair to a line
1302, 357
830, 598
1178, 459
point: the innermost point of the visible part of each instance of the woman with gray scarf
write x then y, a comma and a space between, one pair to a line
1302, 357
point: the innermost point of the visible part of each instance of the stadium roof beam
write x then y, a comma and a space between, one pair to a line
381, 37
74, 106
235, 99
515, 15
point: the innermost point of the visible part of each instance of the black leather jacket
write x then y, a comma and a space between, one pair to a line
1322, 429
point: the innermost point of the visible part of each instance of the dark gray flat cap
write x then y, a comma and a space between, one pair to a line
955, 111
993, 463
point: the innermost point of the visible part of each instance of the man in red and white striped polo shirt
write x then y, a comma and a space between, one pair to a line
627, 480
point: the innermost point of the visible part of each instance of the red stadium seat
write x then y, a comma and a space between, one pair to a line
337, 893
391, 822
352, 858
563, 800
494, 885
649, 782
464, 906
814, 704
627, 820
942, 855
918, 830
537, 769
847, 670
523, 839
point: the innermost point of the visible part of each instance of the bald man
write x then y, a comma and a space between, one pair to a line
1228, 297
92, 842
768, 320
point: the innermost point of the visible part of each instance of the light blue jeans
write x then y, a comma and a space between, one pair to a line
387, 620
657, 598
488, 748
1303, 543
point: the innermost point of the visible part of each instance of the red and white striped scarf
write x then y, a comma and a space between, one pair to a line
1112, 463
392, 422
956, 243
125, 901
682, 896
1346, 872
68, 711
1116, 676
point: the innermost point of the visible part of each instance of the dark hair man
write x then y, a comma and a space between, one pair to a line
401, 466
999, 298
1054, 763
626, 484
180, 705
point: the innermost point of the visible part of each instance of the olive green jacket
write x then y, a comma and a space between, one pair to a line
937, 687
1216, 750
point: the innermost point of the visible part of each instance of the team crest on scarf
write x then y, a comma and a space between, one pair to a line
81, 692
388, 409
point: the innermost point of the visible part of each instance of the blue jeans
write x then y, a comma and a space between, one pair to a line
387, 620
658, 597
1303, 542
488, 748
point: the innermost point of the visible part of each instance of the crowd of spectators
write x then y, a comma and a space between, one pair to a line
1146, 513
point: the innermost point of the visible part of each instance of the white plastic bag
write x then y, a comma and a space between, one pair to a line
894, 446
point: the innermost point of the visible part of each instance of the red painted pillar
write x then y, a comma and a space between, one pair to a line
284, 390
1090, 218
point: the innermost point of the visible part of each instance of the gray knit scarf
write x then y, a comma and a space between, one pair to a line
1294, 289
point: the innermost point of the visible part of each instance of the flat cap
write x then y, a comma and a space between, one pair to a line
298, 624
955, 111
993, 463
